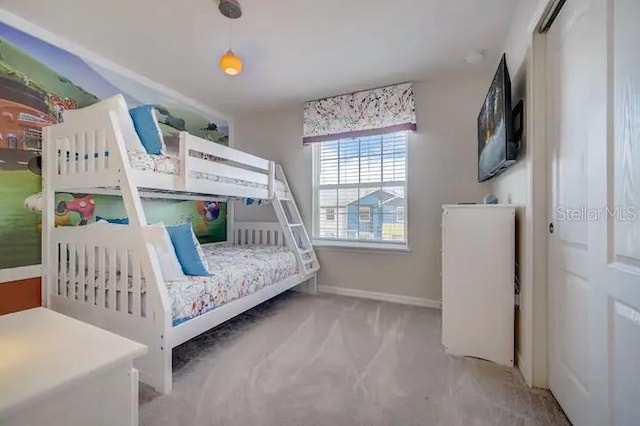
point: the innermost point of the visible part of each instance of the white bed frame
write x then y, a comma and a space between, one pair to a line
131, 309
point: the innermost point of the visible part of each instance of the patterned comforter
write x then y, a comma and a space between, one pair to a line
237, 271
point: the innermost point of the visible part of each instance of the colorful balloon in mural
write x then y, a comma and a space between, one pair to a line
209, 212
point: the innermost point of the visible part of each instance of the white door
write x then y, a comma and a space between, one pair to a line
593, 104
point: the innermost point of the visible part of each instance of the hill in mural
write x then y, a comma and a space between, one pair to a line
192, 122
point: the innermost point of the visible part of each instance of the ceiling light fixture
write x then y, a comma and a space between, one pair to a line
230, 63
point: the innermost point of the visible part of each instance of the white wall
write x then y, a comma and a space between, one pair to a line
516, 186
442, 169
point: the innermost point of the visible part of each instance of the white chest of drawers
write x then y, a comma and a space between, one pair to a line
478, 268
55, 370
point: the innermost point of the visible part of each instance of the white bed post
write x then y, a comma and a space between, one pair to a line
272, 180
49, 266
158, 369
183, 154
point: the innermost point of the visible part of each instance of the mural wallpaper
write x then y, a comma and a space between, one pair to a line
38, 82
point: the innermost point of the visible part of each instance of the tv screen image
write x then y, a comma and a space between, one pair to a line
497, 141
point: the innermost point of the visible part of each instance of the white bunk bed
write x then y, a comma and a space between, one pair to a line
87, 154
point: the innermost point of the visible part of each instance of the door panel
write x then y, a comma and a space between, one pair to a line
624, 350
570, 54
619, 332
593, 133
627, 131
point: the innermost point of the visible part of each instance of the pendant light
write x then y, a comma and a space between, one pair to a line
230, 63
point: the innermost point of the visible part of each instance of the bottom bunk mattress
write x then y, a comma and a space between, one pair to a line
237, 271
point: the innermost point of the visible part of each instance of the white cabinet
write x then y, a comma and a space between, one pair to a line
55, 370
478, 264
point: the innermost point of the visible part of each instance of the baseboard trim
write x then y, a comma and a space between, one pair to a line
384, 297
524, 368
20, 273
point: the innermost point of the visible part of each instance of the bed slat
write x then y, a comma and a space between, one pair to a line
80, 254
123, 281
101, 285
136, 290
111, 284
91, 275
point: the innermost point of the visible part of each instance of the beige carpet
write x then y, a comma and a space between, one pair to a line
332, 360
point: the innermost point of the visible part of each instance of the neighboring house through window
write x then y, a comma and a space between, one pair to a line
360, 191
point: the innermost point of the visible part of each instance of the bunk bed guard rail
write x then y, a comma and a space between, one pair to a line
196, 155
88, 151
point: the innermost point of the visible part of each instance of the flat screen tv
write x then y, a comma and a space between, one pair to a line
498, 140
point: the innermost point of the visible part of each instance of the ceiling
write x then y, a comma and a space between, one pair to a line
293, 50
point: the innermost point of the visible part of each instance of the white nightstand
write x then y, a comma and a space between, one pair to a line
56, 370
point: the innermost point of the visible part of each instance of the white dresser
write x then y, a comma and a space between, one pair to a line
55, 370
478, 268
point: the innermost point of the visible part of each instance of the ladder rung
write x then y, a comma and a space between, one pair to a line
294, 225
306, 251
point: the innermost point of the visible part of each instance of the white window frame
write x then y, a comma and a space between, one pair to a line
357, 244
367, 211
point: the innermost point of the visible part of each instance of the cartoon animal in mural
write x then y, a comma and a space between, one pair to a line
209, 212
81, 204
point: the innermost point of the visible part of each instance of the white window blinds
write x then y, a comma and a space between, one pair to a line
359, 188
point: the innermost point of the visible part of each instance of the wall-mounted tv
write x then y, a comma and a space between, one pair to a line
498, 140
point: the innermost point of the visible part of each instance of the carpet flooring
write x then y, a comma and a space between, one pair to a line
332, 360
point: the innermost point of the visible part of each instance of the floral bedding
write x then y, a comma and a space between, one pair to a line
155, 163
171, 166
238, 271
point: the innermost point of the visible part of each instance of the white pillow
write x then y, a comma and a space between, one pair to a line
118, 105
169, 264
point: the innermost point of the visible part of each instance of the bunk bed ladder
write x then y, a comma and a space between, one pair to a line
294, 230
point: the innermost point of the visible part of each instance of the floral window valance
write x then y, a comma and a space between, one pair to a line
383, 110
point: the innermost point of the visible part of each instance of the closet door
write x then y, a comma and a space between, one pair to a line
593, 104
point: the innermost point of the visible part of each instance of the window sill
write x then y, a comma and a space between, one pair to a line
361, 246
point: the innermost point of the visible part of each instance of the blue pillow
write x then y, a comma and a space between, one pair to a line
146, 124
186, 250
116, 221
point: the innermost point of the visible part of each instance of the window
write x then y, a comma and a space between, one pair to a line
360, 191
330, 214
365, 214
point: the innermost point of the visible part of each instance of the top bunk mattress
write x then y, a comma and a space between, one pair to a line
237, 271
171, 166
